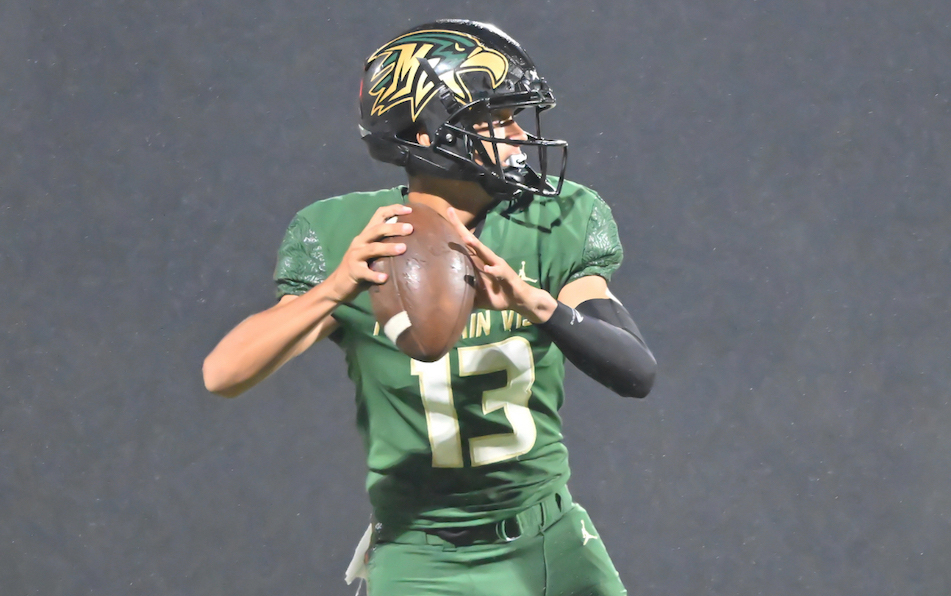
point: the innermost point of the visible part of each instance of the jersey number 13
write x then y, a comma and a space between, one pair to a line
514, 356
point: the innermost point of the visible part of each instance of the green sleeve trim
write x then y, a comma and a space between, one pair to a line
602, 253
301, 264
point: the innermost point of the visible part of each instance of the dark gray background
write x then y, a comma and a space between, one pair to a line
780, 175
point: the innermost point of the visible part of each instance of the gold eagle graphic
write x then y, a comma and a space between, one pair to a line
401, 79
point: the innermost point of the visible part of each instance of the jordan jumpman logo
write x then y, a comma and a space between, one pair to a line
587, 535
523, 276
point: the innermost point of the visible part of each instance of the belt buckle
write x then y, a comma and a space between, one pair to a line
502, 533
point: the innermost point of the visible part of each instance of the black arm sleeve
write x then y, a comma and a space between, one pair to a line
601, 339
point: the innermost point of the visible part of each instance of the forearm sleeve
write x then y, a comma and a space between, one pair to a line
601, 339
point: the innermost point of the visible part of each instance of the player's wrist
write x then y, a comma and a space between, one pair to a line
340, 287
538, 306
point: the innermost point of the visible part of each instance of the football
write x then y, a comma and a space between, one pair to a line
428, 295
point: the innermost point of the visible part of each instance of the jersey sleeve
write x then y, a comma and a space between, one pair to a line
602, 253
301, 263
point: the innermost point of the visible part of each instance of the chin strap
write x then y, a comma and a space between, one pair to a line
601, 339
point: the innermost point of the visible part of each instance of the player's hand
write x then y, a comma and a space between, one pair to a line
501, 288
354, 275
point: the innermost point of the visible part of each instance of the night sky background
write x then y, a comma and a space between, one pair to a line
781, 176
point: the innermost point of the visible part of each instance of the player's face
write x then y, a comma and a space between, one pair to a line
502, 126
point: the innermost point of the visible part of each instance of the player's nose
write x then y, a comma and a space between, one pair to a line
515, 132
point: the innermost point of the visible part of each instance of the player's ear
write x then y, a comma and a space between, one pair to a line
421, 134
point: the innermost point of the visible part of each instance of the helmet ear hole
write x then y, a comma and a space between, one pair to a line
417, 134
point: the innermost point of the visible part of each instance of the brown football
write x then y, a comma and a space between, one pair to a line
428, 295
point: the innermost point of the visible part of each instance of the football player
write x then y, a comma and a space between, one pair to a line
467, 468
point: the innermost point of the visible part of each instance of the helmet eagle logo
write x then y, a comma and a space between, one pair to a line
451, 54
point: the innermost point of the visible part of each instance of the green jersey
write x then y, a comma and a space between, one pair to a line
475, 437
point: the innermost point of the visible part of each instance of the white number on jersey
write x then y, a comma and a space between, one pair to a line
514, 356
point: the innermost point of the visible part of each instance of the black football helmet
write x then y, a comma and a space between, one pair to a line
444, 78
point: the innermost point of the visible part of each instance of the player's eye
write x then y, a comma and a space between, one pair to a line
498, 123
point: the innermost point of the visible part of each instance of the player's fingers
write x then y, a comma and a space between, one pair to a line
383, 230
386, 212
453, 218
490, 260
362, 269
468, 237
500, 273
362, 272
481, 250
375, 250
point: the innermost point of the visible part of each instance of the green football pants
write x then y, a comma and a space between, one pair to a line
563, 556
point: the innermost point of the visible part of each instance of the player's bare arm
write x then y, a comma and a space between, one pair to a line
265, 341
